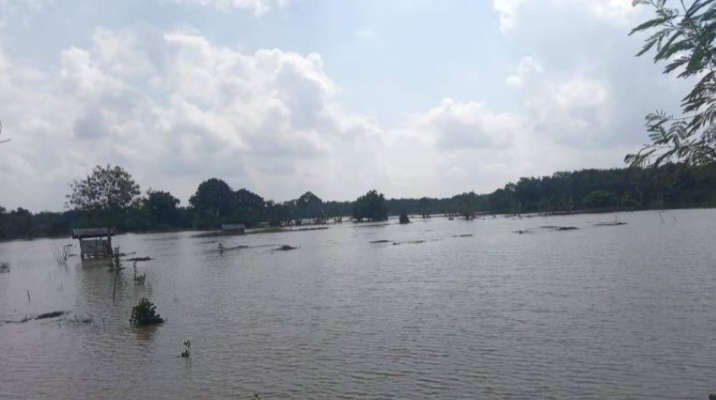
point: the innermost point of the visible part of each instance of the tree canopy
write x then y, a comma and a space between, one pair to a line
683, 38
104, 195
370, 206
671, 185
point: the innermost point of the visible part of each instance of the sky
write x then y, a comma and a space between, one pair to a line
410, 97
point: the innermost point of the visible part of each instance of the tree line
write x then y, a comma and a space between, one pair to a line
110, 197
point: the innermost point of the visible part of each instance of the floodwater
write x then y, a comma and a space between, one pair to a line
596, 313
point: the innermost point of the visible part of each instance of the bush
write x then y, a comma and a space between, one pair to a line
404, 218
145, 313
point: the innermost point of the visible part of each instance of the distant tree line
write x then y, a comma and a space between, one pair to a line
110, 197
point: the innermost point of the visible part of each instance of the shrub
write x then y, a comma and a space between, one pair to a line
145, 313
404, 218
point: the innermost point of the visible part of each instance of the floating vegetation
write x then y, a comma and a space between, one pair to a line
53, 314
145, 314
415, 242
612, 223
4, 267
464, 236
560, 228
139, 259
380, 241
404, 218
48, 315
522, 232
286, 247
61, 253
78, 320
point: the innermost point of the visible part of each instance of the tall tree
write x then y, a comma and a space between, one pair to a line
104, 195
370, 206
212, 201
310, 206
248, 207
683, 37
162, 207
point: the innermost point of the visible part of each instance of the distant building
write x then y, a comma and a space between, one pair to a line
236, 229
94, 242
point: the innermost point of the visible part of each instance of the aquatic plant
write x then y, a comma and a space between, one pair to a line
144, 313
187, 349
139, 278
61, 253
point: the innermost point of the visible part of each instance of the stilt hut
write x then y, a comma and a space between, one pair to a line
94, 242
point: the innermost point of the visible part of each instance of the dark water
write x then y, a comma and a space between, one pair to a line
596, 313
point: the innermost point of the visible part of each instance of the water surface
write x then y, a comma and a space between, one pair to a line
595, 313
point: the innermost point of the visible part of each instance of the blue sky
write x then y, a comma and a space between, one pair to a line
413, 98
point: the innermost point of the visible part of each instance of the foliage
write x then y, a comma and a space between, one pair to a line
162, 208
682, 37
599, 199
4, 267
211, 202
105, 188
144, 313
104, 196
669, 185
371, 206
310, 206
404, 218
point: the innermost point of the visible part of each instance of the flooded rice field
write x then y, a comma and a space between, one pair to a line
496, 308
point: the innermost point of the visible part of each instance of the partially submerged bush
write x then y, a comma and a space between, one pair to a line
145, 313
4, 267
404, 218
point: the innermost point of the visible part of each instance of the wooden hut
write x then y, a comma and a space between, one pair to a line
94, 242
234, 229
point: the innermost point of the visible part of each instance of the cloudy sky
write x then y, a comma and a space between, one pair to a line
411, 97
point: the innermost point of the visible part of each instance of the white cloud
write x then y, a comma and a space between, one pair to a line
455, 125
611, 11
258, 6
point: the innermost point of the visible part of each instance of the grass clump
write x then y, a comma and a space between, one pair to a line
145, 313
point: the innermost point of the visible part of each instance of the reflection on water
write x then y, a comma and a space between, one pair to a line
457, 310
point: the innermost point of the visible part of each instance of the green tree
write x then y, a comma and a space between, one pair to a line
248, 207
370, 206
163, 208
683, 37
105, 195
213, 200
310, 206
599, 199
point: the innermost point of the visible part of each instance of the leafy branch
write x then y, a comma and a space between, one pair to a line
684, 39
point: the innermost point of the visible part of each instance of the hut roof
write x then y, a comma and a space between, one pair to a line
91, 233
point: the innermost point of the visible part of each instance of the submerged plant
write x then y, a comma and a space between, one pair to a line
144, 313
187, 349
61, 253
139, 278
4, 267
404, 218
